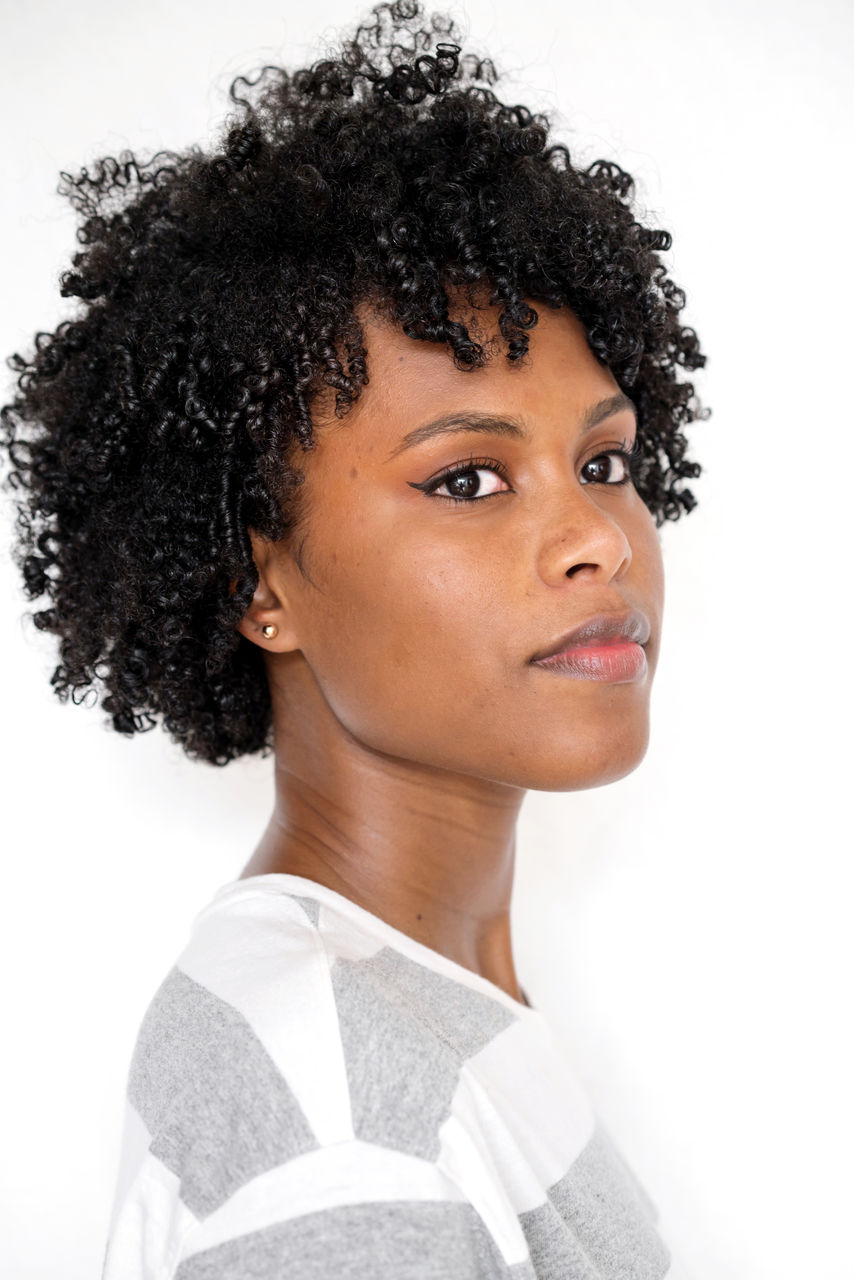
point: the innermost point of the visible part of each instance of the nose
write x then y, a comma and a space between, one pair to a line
587, 541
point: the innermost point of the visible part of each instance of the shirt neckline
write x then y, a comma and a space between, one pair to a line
282, 881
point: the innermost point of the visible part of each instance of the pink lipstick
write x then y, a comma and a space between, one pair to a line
618, 661
607, 647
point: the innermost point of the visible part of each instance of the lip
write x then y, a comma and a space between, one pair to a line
604, 630
617, 662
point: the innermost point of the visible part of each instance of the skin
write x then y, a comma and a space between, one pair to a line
408, 720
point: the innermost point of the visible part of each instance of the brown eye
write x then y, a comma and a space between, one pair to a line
603, 470
468, 484
464, 484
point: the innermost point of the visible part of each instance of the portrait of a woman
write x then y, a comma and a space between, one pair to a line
355, 456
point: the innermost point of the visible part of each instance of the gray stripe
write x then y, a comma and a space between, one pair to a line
387, 1240
595, 1225
310, 906
406, 1032
217, 1106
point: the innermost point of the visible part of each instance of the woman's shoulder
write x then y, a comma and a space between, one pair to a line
288, 1047
298, 1071
244, 1020
290, 1022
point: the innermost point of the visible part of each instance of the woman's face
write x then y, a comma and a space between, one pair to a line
417, 616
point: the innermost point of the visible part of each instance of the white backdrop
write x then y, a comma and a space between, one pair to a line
687, 928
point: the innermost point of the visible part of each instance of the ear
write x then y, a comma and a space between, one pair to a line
270, 605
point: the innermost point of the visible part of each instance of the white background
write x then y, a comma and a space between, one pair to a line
687, 928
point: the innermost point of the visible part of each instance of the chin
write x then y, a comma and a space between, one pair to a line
581, 767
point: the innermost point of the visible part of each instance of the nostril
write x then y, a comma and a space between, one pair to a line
573, 569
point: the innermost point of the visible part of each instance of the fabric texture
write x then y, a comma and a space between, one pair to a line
314, 1093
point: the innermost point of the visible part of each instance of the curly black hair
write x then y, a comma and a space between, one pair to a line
217, 293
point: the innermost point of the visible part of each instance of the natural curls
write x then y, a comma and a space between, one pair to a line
216, 297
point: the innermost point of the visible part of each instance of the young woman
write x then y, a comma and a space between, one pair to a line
355, 453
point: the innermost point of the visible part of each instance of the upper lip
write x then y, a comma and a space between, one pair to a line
629, 625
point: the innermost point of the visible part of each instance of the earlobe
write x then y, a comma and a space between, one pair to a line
260, 633
257, 623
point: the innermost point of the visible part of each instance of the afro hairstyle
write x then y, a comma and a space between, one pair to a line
216, 300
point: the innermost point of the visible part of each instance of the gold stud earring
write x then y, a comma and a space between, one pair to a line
269, 631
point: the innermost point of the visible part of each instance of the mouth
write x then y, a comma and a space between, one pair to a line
602, 629
607, 647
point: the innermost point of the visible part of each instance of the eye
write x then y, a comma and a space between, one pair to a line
604, 470
464, 483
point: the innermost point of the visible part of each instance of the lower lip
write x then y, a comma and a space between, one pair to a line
616, 663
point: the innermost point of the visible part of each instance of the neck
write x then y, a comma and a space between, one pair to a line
430, 852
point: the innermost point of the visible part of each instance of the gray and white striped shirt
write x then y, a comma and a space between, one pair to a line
315, 1094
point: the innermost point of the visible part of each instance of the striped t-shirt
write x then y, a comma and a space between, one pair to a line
314, 1095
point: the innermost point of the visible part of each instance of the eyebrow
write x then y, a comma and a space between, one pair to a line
495, 424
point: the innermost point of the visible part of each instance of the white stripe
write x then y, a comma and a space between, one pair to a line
349, 1173
354, 932
510, 1136
149, 1228
534, 1125
463, 1159
266, 959
134, 1148
344, 937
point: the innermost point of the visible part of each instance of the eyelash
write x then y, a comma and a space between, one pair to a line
630, 454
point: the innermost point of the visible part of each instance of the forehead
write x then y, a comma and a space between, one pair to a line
412, 380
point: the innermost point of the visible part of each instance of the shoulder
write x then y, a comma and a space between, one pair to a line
288, 1068
244, 1025
285, 1026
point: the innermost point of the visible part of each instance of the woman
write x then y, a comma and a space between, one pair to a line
355, 453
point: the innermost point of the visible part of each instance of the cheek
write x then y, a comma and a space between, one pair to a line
411, 604
653, 567
401, 631
647, 549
